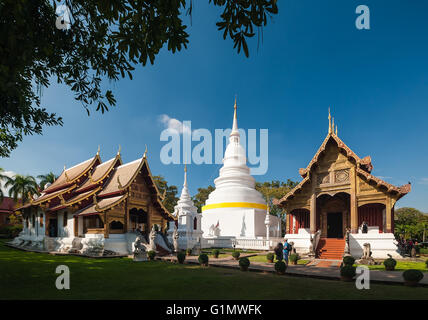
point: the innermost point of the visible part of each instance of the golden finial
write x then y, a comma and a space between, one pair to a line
332, 125
118, 182
235, 107
65, 174
145, 152
185, 167
98, 151
118, 151
329, 120
336, 130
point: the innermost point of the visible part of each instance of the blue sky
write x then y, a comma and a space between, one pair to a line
312, 57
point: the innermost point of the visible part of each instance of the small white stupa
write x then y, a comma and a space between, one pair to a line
235, 208
189, 220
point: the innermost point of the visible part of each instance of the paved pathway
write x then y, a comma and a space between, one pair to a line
328, 269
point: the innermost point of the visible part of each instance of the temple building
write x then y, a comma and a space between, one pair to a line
94, 204
336, 197
235, 209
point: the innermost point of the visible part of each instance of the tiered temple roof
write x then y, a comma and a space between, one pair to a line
364, 169
92, 187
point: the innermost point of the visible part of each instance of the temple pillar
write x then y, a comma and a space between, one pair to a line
106, 226
47, 224
388, 213
313, 211
354, 201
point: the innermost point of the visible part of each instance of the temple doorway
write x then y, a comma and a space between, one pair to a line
334, 225
53, 228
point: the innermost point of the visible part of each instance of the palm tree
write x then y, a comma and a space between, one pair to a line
3, 177
22, 187
46, 178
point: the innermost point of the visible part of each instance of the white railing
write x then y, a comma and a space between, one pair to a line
216, 243
258, 244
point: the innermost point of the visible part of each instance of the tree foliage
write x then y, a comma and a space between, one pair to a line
275, 189
22, 187
3, 178
168, 192
46, 178
410, 223
202, 196
106, 40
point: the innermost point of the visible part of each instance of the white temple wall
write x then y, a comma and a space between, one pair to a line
381, 244
233, 222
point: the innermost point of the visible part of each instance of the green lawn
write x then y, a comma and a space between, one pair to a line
403, 265
26, 275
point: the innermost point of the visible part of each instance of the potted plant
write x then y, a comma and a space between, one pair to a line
347, 272
389, 264
151, 254
348, 261
280, 267
270, 256
412, 277
235, 255
244, 263
294, 258
203, 259
189, 252
181, 256
216, 253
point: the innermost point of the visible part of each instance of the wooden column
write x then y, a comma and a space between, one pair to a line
106, 226
313, 213
76, 226
354, 201
47, 224
313, 205
388, 213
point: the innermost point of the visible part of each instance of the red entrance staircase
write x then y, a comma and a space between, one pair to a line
330, 248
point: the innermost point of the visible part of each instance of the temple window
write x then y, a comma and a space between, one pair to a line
195, 223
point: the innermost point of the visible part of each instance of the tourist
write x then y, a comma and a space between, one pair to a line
364, 227
286, 250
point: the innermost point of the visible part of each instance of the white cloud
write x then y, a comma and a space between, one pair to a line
5, 190
174, 124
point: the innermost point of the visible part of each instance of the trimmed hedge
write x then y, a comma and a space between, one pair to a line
181, 256
203, 259
280, 267
389, 264
151, 254
244, 263
236, 254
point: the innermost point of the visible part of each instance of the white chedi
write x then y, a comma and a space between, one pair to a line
188, 227
235, 208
